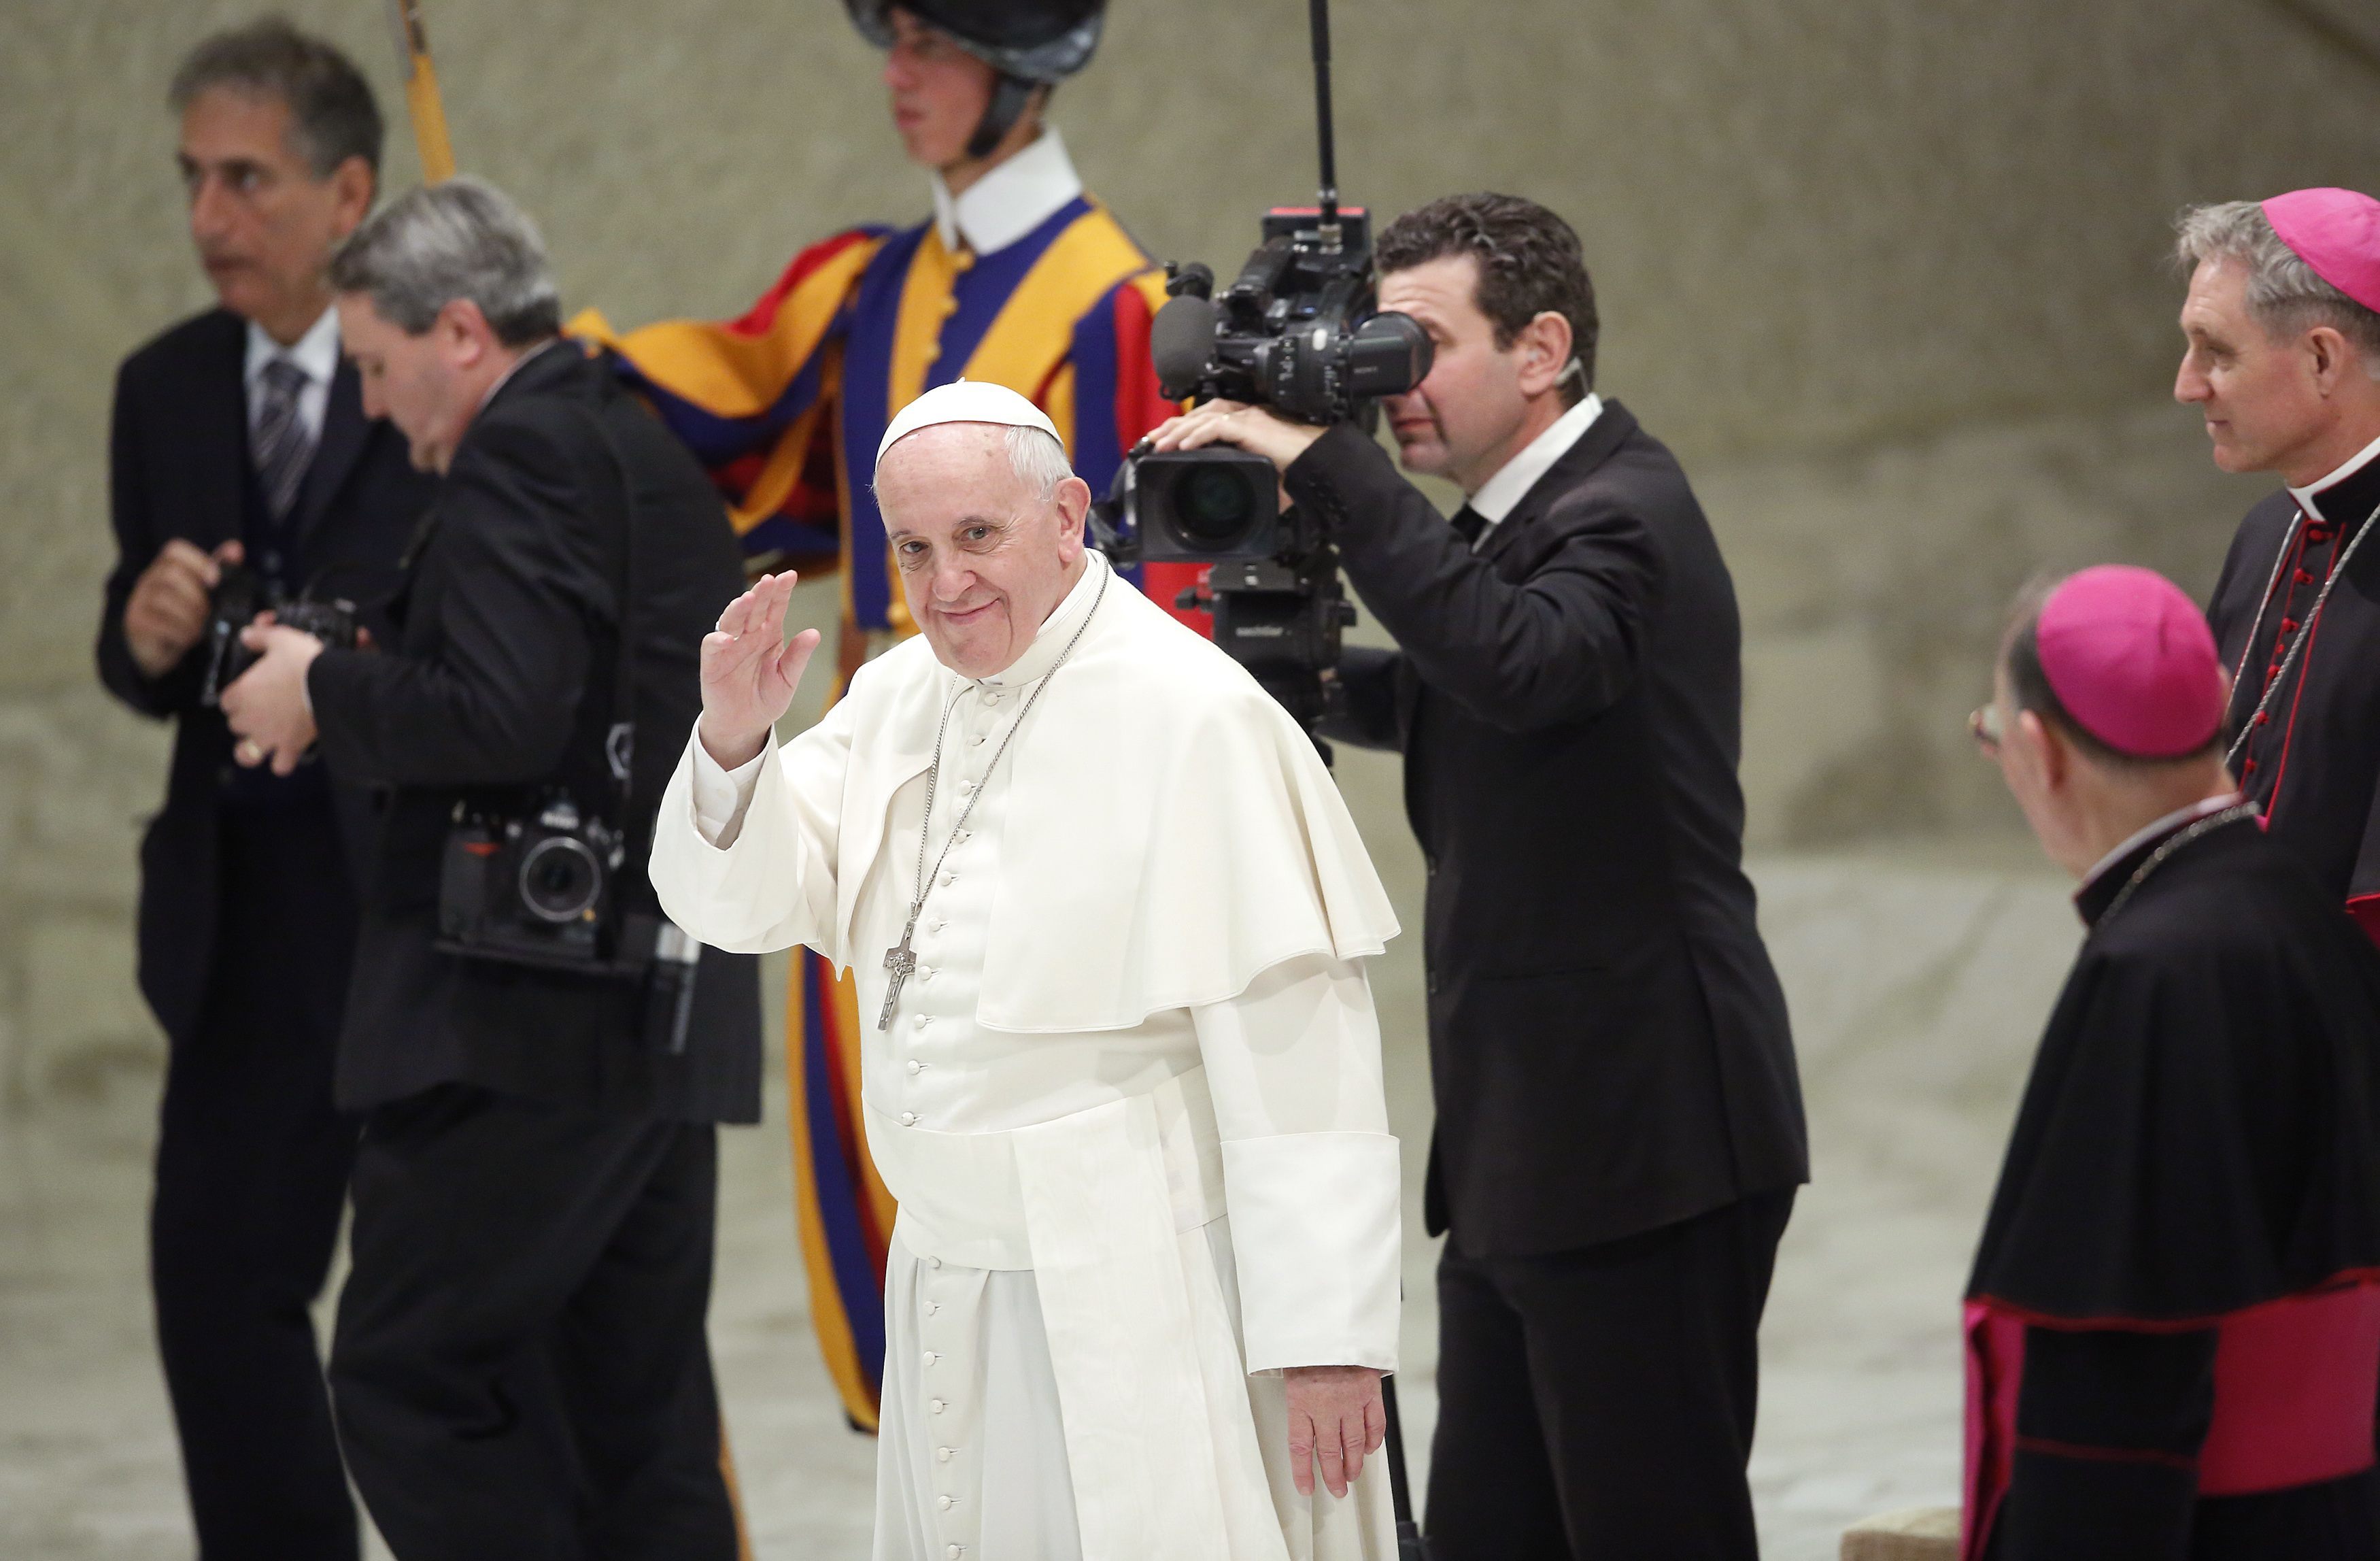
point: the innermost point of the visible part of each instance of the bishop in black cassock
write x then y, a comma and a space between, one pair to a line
2307, 728
2173, 1327
2289, 387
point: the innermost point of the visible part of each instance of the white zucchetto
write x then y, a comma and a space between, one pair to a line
966, 401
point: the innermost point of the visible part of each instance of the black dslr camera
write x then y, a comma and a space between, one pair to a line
1299, 332
238, 596
539, 889
533, 888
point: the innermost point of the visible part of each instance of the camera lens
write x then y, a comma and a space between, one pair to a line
1213, 504
560, 879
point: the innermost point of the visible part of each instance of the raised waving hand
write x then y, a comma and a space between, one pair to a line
749, 671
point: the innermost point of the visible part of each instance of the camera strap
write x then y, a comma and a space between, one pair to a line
620, 737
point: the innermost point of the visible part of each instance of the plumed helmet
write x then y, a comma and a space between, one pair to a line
1038, 41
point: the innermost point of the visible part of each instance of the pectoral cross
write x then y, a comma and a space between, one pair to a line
901, 961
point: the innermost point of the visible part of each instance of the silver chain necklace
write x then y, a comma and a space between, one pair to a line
2299, 642
2206, 825
901, 960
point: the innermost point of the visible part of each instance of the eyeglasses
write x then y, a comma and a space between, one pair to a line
1984, 726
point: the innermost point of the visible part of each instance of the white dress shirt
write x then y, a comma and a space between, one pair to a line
1514, 479
316, 354
1010, 200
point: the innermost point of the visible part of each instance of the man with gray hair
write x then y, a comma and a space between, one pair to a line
520, 1365
2283, 328
243, 465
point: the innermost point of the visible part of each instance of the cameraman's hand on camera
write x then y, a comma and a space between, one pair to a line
267, 706
166, 613
1254, 429
749, 671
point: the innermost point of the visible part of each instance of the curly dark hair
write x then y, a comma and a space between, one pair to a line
1529, 263
333, 115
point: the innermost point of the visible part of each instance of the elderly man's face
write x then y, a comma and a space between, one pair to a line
2259, 391
984, 557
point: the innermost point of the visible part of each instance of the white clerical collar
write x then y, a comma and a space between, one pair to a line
1049, 641
1010, 200
316, 353
1514, 479
2354, 463
2181, 818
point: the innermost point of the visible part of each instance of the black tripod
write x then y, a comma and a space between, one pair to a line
1411, 1546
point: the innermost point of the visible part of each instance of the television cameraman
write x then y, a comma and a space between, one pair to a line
1618, 1120
520, 1366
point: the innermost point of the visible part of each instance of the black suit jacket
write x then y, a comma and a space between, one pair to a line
1609, 1042
178, 467
500, 682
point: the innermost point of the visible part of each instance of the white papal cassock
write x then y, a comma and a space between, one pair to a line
1130, 1101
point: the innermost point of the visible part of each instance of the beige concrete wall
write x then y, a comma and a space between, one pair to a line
1887, 273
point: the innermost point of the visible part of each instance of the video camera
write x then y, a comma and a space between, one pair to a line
1300, 332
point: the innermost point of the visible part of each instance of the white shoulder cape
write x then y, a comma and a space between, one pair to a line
1170, 831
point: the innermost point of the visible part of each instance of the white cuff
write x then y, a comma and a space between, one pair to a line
720, 795
1314, 1231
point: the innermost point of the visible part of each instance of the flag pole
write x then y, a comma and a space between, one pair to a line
422, 99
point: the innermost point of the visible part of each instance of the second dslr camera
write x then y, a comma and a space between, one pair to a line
238, 596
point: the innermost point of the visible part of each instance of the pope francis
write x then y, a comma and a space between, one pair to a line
1108, 916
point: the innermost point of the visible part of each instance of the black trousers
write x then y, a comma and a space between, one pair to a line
521, 1368
251, 1172
1598, 1404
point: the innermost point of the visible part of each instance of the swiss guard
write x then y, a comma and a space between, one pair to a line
1020, 278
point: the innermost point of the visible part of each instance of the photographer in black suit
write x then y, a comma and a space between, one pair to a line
1618, 1120
520, 1367
240, 441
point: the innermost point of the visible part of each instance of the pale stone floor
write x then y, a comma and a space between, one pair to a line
1917, 979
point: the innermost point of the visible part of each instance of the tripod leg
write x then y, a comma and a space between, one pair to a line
1411, 1546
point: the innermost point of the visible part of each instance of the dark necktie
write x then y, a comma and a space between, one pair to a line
279, 441
1470, 522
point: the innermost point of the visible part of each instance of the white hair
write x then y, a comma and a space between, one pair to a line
2286, 294
1038, 460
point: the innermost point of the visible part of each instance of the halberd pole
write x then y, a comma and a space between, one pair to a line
421, 98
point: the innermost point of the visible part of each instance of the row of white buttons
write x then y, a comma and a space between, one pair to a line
943, 1454
978, 721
